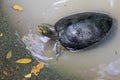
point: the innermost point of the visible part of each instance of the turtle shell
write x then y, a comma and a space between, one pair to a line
83, 30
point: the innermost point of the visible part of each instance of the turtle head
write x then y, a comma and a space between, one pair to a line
43, 29
47, 30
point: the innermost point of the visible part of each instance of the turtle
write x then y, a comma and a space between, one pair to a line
78, 31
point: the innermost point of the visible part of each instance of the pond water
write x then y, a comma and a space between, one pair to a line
99, 63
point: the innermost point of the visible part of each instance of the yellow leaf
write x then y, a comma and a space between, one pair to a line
17, 7
1, 34
28, 75
9, 55
23, 60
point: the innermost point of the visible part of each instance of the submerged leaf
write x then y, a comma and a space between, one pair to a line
40, 65
36, 69
1, 34
18, 7
28, 75
23, 60
9, 55
5, 72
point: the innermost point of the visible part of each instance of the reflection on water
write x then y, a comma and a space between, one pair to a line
35, 44
111, 69
112, 3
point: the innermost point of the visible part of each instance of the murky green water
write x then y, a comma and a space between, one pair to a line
9, 69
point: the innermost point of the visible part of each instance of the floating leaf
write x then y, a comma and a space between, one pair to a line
9, 55
36, 69
18, 7
23, 60
28, 75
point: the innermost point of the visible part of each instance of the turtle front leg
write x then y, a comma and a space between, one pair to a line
59, 49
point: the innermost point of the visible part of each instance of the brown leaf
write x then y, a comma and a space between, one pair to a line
5, 72
9, 55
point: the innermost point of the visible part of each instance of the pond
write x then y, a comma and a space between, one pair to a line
98, 63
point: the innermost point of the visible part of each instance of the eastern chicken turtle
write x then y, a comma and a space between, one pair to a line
79, 31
